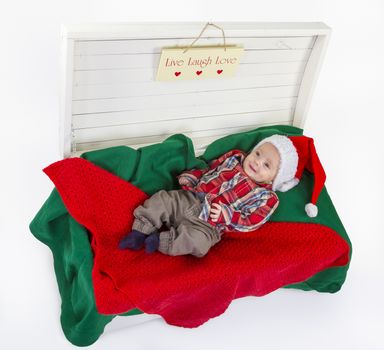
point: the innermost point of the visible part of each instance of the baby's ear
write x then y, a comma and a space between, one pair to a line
287, 185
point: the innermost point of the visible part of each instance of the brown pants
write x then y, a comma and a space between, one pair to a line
178, 210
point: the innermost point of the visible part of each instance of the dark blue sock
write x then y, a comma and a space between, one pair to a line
152, 242
133, 240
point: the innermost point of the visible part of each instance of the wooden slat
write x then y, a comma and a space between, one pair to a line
123, 61
307, 85
65, 127
182, 100
196, 111
152, 46
155, 128
146, 30
89, 92
120, 76
200, 141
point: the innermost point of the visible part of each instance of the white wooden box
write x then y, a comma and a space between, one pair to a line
110, 96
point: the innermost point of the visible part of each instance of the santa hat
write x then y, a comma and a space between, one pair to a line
296, 154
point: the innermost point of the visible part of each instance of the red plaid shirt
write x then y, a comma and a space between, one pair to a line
245, 204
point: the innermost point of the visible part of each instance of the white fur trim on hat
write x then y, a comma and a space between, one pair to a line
311, 210
289, 160
286, 186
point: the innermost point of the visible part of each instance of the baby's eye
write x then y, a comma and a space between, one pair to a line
257, 153
267, 165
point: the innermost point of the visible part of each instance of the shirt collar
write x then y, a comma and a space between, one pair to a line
266, 185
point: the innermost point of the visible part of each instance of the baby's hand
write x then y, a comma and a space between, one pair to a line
183, 181
215, 212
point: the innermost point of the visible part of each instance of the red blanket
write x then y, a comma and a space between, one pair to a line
186, 291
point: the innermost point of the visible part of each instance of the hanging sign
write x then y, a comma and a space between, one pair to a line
198, 62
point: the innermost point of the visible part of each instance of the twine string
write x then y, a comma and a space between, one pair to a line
205, 27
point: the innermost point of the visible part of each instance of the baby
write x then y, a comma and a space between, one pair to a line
236, 193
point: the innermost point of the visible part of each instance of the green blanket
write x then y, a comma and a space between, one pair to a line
153, 168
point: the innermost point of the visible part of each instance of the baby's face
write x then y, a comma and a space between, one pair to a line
262, 164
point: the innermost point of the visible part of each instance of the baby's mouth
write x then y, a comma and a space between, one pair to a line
253, 169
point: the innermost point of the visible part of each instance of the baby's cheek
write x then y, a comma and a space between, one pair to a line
247, 170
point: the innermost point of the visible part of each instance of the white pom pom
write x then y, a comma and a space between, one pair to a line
311, 210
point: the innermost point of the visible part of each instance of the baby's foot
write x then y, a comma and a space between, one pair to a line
152, 242
134, 240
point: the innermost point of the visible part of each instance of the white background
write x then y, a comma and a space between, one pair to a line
345, 118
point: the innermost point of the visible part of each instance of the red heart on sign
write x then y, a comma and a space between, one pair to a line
219, 71
199, 72
177, 73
